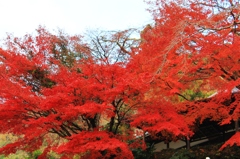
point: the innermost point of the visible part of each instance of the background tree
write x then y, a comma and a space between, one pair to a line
112, 47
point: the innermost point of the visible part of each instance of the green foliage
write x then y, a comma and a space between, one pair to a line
144, 154
39, 78
18, 155
35, 154
196, 92
191, 95
184, 154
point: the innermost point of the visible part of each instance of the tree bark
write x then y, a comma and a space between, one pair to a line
187, 143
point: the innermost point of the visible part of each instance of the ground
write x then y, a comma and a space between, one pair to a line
210, 149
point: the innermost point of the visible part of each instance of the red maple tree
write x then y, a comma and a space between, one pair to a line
53, 89
198, 40
51, 85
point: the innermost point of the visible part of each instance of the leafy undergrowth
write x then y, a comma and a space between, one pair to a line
201, 152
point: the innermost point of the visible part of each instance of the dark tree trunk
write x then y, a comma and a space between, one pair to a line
187, 143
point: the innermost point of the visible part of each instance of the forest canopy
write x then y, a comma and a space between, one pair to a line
99, 97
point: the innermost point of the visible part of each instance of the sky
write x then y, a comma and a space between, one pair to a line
19, 17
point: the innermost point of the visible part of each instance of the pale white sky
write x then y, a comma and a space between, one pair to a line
73, 16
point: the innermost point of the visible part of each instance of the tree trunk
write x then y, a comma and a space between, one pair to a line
167, 145
187, 143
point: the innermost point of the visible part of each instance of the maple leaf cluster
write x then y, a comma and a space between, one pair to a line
93, 98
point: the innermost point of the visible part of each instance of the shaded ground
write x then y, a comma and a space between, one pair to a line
200, 152
208, 149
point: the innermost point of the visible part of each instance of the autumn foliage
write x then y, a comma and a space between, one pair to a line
97, 99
